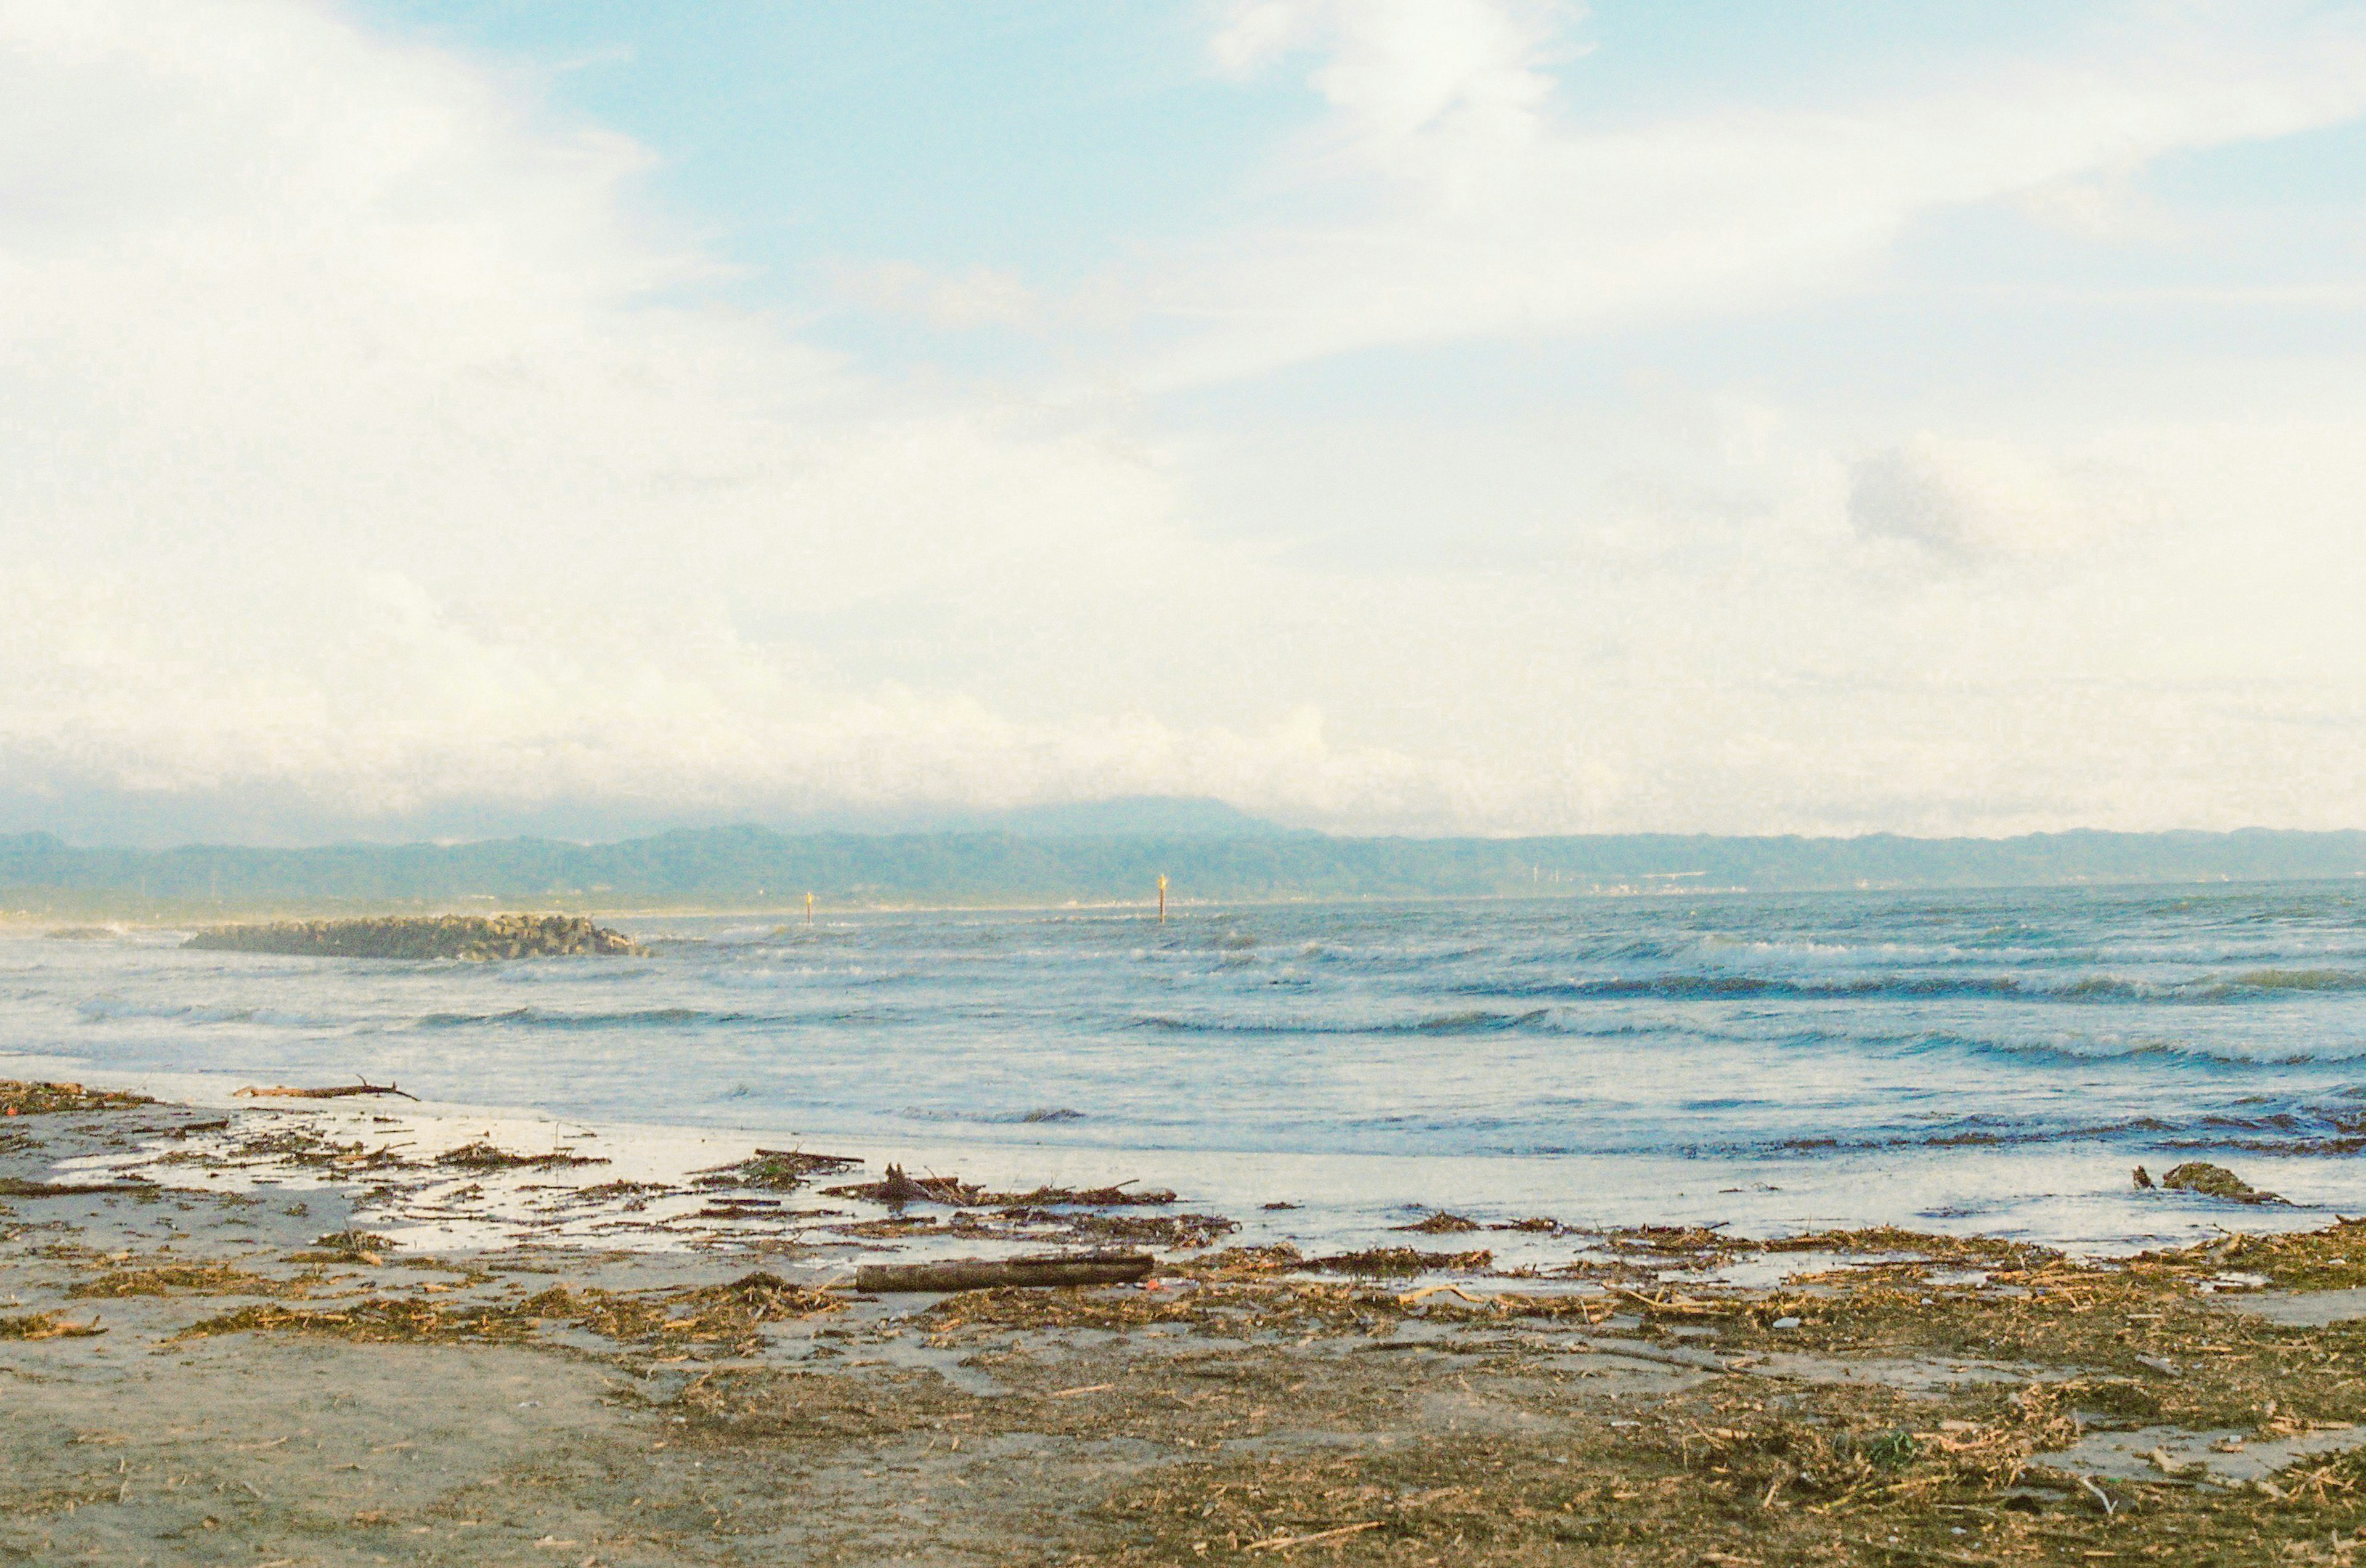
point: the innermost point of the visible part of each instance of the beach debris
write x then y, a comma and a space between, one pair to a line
46, 1325
471, 938
991, 1274
895, 1190
335, 1091
2143, 1179
192, 1278
1411, 1297
345, 1246
1673, 1304
1163, 1230
1440, 1224
1661, 1355
1284, 1542
20, 1098
2214, 1181
1277, 1258
898, 1189
740, 1209
725, 1315
483, 1156
1115, 1197
1402, 1260
776, 1170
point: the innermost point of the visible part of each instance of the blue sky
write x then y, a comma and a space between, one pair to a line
1043, 137
1052, 140
1409, 415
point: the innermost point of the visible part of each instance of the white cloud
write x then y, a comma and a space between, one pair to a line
358, 456
1984, 498
371, 460
1457, 193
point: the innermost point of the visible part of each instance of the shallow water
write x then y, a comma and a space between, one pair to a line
1993, 1061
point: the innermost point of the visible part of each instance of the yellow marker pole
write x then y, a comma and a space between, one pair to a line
809, 908
1162, 898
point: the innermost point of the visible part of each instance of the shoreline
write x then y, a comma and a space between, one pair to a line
1321, 1201
530, 1385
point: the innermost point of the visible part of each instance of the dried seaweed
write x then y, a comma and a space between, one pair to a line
1443, 1224
1402, 1260
345, 1246
2214, 1181
898, 1189
45, 1325
482, 1156
192, 1278
22, 1099
776, 1170
728, 1315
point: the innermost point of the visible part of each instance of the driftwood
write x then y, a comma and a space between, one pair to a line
337, 1092
16, 1187
985, 1274
898, 1190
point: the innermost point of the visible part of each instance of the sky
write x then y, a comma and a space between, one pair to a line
431, 418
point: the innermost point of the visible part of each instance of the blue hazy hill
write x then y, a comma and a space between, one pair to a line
1113, 851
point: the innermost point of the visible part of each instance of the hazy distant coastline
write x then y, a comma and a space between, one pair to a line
756, 868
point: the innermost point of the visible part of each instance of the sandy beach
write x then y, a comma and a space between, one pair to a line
202, 1359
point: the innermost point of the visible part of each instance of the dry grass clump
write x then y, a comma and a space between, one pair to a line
21, 1099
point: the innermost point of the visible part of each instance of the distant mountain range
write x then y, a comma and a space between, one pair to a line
1110, 853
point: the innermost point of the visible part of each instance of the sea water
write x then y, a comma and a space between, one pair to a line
1993, 1061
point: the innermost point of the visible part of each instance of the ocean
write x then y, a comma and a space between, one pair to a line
1991, 1061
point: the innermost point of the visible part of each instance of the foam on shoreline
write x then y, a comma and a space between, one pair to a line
652, 1188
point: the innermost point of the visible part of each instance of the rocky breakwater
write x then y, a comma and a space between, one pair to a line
478, 938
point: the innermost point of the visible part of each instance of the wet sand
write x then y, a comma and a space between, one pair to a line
611, 1363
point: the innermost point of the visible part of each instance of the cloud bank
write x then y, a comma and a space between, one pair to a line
380, 461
